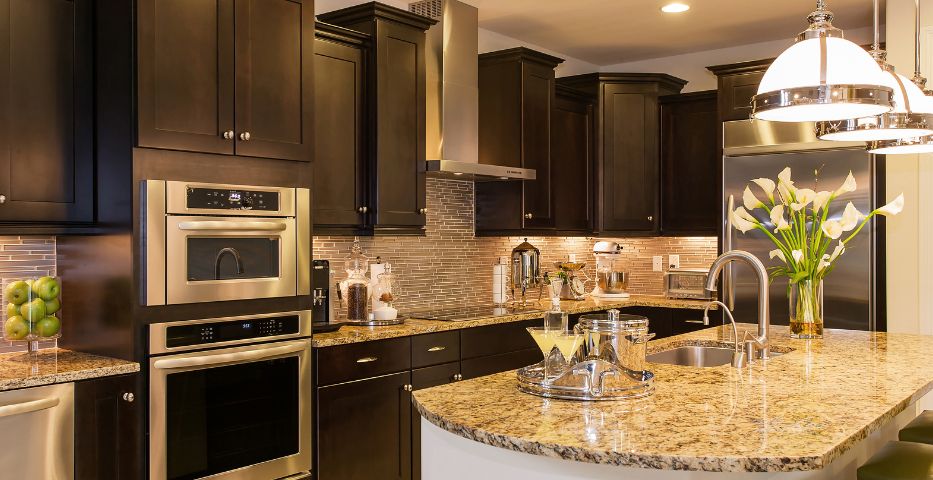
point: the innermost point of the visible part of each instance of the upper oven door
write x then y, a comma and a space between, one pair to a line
236, 413
229, 258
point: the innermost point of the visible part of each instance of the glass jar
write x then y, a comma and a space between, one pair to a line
385, 292
616, 338
32, 309
356, 286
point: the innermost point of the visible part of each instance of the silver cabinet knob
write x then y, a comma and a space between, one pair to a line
228, 135
423, 211
129, 397
2, 199
458, 377
650, 218
529, 216
244, 136
362, 209
407, 388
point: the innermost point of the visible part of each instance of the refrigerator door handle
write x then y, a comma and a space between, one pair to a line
727, 286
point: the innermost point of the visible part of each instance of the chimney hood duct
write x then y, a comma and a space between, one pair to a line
451, 61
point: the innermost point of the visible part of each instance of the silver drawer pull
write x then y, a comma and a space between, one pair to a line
232, 226
437, 348
28, 407
694, 321
366, 359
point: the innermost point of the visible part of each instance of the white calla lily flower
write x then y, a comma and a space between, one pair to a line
784, 176
777, 253
803, 196
821, 200
798, 255
824, 263
750, 201
777, 218
892, 208
848, 185
832, 229
850, 217
837, 252
742, 220
767, 185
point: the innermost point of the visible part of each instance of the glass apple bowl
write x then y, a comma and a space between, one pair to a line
32, 308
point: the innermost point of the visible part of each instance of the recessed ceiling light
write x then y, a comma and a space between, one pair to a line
675, 8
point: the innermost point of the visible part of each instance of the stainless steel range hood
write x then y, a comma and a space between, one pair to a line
453, 95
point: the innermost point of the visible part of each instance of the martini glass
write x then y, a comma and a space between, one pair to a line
568, 343
544, 338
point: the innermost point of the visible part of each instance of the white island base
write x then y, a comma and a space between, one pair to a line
446, 456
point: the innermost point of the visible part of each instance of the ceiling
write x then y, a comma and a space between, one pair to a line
606, 32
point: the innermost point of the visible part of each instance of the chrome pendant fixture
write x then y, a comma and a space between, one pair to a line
820, 77
915, 144
911, 117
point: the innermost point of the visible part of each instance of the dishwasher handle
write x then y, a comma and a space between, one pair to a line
28, 407
224, 358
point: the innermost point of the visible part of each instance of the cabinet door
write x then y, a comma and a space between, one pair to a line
480, 366
426, 378
339, 172
537, 92
629, 183
46, 116
736, 92
400, 126
572, 164
107, 429
185, 75
690, 164
364, 429
274, 101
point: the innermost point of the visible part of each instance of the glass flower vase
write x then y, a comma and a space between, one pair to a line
806, 309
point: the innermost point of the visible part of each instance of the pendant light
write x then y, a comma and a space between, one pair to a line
821, 77
918, 144
912, 115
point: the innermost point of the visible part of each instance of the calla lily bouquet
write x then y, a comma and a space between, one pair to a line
808, 239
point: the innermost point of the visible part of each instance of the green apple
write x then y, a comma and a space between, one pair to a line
48, 327
33, 311
16, 328
47, 288
52, 306
12, 310
17, 292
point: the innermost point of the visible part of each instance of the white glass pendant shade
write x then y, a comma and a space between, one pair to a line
906, 146
792, 89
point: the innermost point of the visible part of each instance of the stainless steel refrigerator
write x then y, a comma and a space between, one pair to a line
854, 293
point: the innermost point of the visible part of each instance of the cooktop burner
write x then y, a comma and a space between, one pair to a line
472, 312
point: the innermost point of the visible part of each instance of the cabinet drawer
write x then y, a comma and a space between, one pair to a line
478, 367
362, 360
496, 339
428, 377
435, 348
685, 321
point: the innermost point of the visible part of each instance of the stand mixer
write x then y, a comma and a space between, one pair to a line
611, 279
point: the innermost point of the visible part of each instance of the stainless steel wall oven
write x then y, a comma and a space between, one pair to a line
208, 243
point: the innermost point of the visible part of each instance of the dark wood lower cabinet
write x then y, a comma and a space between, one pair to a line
426, 378
108, 435
478, 367
364, 429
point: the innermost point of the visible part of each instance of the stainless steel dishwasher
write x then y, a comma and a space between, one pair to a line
37, 432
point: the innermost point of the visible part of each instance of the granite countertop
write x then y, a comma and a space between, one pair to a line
57, 365
797, 411
414, 326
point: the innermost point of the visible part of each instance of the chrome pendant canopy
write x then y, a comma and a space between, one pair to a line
821, 77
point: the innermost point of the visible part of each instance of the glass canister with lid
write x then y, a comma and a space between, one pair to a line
617, 338
355, 288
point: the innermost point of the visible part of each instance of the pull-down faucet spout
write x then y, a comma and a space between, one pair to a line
761, 341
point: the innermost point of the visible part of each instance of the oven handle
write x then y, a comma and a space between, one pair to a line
257, 354
28, 407
232, 226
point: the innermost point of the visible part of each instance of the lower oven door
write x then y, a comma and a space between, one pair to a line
232, 413
210, 259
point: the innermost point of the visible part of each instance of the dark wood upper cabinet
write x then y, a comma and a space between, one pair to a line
690, 164
340, 173
108, 433
396, 112
572, 161
516, 94
226, 76
46, 112
628, 143
738, 83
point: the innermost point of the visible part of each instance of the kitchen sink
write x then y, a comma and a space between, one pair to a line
697, 356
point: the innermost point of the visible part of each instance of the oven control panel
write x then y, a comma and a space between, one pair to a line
230, 330
231, 199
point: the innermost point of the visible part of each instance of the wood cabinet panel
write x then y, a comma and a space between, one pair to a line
364, 429
46, 115
185, 74
274, 104
572, 149
426, 378
340, 174
496, 339
108, 437
355, 361
488, 365
538, 92
435, 348
738, 83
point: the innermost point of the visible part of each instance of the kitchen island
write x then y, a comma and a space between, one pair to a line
817, 411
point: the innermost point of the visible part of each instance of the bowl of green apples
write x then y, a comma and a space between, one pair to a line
33, 309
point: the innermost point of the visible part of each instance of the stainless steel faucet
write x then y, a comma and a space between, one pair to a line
738, 355
761, 342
